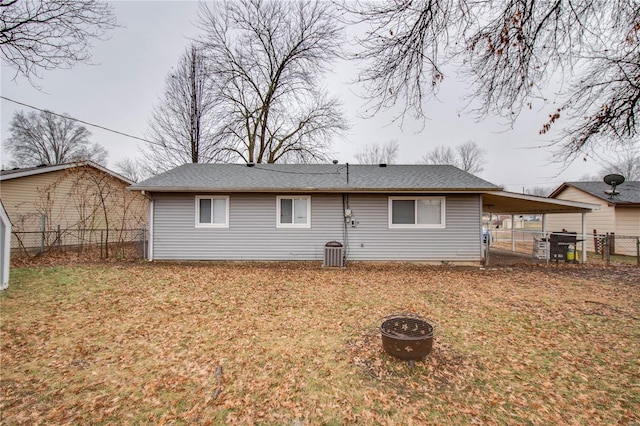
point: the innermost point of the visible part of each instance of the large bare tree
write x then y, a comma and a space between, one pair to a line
467, 156
510, 51
266, 60
183, 124
48, 138
386, 153
470, 157
37, 35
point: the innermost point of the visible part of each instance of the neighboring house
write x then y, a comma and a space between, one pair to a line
618, 214
290, 211
83, 196
5, 247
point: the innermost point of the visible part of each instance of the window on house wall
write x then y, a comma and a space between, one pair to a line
212, 212
293, 212
416, 212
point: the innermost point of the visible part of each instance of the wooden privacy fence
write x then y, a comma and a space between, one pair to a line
105, 243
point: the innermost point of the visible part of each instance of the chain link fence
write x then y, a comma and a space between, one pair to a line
567, 246
94, 243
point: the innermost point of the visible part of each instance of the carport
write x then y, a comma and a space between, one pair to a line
503, 202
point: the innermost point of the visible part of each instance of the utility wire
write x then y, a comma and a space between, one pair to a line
159, 144
257, 167
81, 121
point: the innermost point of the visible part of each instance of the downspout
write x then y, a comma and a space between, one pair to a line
345, 230
150, 250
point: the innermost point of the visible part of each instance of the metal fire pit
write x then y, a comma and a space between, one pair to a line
407, 336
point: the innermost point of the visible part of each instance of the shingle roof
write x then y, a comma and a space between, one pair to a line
317, 177
629, 192
39, 168
30, 171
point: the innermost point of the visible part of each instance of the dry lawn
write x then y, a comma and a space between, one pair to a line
295, 344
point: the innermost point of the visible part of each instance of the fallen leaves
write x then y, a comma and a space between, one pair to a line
291, 343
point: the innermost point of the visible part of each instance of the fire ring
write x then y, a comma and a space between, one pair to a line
408, 337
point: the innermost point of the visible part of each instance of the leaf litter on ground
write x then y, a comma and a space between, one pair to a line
293, 343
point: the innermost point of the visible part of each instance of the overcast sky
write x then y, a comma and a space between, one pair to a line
127, 78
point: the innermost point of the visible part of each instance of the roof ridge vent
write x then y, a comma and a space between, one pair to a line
383, 164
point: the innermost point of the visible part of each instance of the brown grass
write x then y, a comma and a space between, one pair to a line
293, 344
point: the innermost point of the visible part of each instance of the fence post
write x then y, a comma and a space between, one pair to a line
144, 242
607, 253
101, 237
612, 243
58, 238
43, 226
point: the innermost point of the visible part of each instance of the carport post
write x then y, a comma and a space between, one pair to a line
513, 233
584, 237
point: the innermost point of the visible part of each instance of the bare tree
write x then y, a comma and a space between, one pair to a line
83, 201
133, 169
48, 138
470, 157
378, 153
626, 163
540, 191
182, 127
440, 155
467, 156
38, 35
266, 61
509, 51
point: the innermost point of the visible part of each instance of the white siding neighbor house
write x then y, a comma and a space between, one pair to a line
5, 247
429, 213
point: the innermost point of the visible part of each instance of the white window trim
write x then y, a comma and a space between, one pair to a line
418, 225
212, 225
293, 225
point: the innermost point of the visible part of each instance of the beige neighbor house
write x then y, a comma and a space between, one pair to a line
619, 214
70, 199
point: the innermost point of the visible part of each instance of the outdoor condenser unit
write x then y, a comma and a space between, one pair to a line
333, 255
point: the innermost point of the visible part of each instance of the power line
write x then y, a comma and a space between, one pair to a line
81, 121
289, 172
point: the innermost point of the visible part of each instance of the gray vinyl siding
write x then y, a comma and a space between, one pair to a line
252, 232
372, 239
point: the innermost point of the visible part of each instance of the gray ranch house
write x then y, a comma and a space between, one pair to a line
428, 213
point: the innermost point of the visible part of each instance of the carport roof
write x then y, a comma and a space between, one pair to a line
503, 202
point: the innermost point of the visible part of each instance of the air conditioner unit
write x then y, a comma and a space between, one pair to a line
333, 255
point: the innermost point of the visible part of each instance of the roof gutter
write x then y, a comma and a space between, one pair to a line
311, 189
